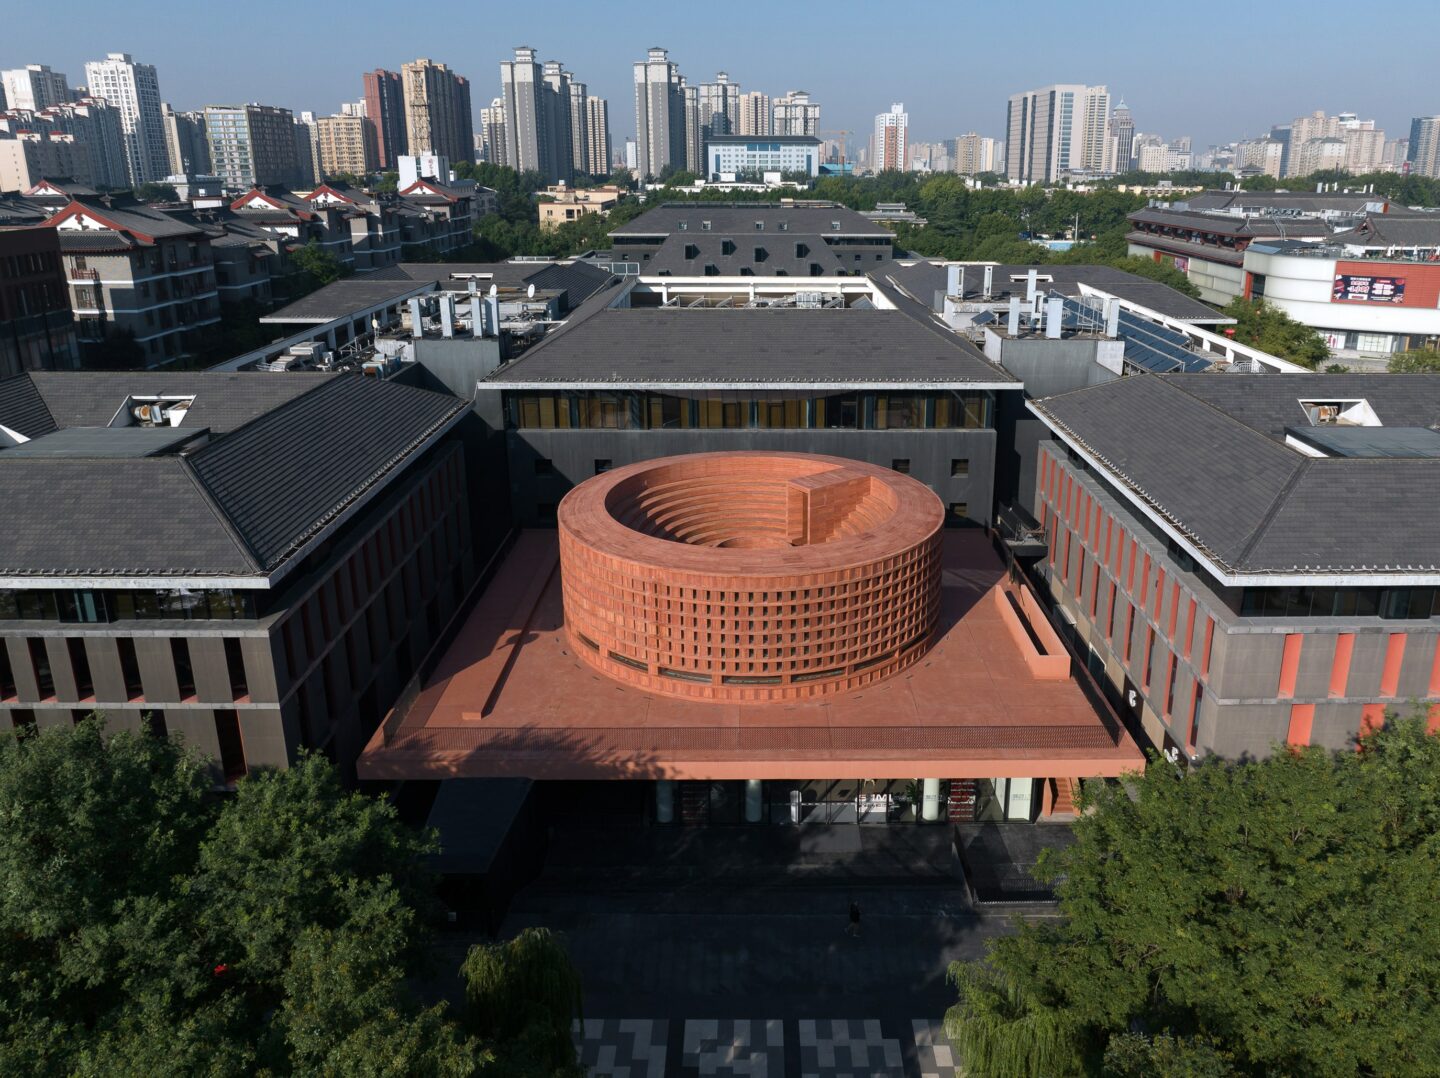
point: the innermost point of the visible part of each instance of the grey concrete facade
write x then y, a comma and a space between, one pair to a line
545, 464
317, 671
1204, 677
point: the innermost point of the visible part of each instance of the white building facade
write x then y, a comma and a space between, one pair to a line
134, 89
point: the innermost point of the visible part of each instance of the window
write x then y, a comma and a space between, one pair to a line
129, 668
784, 226
184, 672
544, 466
727, 247
692, 251
761, 254
603, 464
232, 745
959, 467
759, 226
802, 250
80, 667
1149, 654
901, 465
7, 676
1170, 687
704, 227
235, 664
40, 663
683, 226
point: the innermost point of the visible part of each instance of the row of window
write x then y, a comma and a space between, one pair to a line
40, 670
227, 734
604, 410
1392, 603
166, 604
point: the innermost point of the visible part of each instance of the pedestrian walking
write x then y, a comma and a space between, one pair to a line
853, 928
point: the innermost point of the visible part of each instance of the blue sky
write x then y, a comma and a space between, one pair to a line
1216, 70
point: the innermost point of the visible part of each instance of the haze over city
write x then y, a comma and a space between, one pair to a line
1218, 72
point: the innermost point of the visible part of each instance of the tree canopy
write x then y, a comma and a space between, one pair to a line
1253, 918
312, 267
1421, 362
153, 930
1270, 329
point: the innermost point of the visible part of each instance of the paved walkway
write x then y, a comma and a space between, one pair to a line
747, 969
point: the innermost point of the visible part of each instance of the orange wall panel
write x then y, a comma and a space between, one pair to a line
1302, 718
1290, 665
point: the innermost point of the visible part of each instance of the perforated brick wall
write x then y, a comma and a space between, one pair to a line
750, 576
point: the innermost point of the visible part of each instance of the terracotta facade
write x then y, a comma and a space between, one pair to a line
750, 577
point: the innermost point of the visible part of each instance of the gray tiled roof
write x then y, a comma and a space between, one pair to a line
779, 249
1228, 482
1305, 201
301, 449
1271, 403
113, 518
22, 409
578, 280
141, 219
223, 400
341, 298
1394, 230
740, 218
283, 476
759, 346
1227, 225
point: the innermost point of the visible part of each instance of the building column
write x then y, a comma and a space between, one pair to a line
930, 800
754, 800
664, 800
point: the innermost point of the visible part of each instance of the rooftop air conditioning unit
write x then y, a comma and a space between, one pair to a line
149, 415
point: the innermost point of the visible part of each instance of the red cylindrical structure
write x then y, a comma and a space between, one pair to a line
750, 576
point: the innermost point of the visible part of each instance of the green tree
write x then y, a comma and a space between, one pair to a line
1420, 362
309, 268
157, 192
152, 930
1134, 1055
524, 994
1279, 911
281, 854
1270, 329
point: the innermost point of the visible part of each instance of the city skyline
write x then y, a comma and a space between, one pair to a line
967, 93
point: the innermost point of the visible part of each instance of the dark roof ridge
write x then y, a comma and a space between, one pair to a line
221, 516
34, 389
1258, 532
1166, 511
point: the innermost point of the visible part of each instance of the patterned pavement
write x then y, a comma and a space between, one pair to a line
756, 1048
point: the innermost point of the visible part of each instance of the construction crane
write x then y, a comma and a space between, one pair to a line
844, 143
